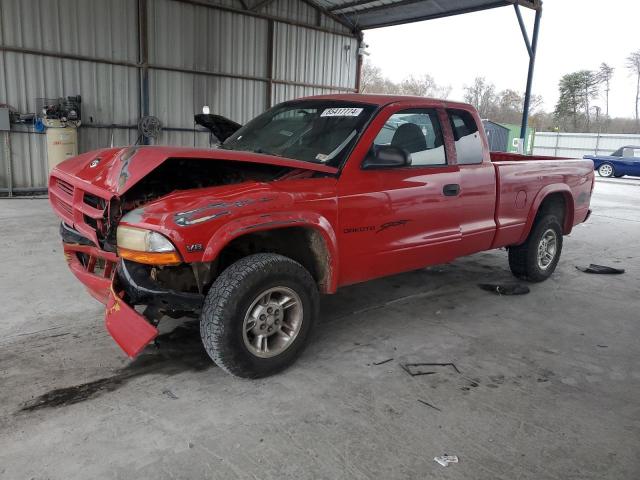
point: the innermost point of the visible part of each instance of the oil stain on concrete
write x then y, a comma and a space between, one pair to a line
174, 352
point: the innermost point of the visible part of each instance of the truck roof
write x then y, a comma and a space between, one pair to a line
381, 100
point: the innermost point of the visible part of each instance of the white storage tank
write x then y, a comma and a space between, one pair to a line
62, 143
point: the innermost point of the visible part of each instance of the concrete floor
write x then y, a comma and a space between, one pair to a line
548, 389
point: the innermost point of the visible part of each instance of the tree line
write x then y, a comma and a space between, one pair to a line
583, 101
372, 80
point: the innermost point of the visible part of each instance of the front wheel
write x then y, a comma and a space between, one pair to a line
258, 315
606, 170
536, 259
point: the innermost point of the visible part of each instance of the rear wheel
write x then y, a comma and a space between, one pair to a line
536, 259
606, 170
258, 315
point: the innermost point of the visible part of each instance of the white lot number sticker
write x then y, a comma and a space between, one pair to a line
341, 112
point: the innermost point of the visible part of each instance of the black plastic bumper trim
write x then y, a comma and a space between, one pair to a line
70, 235
134, 279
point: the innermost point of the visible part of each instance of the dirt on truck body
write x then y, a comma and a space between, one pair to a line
312, 195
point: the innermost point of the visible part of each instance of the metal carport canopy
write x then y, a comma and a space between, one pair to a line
367, 14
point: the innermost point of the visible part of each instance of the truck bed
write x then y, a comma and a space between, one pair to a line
523, 180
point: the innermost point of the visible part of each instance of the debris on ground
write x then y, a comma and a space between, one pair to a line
415, 369
170, 394
445, 459
505, 289
382, 362
601, 269
424, 402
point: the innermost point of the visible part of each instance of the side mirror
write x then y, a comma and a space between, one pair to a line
386, 156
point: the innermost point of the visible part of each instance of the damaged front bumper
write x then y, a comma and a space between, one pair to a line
134, 301
141, 289
132, 287
130, 330
91, 265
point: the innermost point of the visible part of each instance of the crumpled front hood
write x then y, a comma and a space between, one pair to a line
191, 219
118, 169
190, 208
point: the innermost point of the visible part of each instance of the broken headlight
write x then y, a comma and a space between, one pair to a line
145, 246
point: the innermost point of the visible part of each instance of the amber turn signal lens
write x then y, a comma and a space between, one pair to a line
150, 258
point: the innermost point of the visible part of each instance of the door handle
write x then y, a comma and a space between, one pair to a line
451, 190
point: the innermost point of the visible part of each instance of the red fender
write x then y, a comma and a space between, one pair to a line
261, 222
542, 194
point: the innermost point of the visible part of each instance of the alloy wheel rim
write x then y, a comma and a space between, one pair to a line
547, 249
606, 170
272, 322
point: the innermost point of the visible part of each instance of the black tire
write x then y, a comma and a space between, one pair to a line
523, 259
607, 173
229, 300
618, 175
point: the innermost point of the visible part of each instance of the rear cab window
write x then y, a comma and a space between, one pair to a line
418, 132
467, 139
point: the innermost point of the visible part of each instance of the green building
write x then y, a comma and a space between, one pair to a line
514, 134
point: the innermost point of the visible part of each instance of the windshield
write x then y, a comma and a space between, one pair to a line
617, 153
318, 131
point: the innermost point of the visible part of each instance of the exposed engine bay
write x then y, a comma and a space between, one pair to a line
181, 174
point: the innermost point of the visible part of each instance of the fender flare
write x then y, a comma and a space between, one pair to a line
540, 197
261, 222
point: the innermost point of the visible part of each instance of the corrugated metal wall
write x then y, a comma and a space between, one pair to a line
105, 30
578, 144
200, 52
334, 57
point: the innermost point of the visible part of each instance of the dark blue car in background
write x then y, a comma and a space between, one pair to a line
624, 161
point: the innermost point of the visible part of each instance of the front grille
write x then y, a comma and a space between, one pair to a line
96, 265
93, 223
94, 201
85, 212
67, 208
65, 187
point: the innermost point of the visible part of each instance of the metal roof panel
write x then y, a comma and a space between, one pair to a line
366, 14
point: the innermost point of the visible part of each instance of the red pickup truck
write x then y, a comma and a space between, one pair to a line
310, 196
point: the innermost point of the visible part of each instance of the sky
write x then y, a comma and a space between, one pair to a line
574, 35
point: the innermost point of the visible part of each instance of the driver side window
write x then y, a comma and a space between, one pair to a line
418, 132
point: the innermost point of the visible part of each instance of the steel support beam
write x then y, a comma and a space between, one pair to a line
359, 63
527, 93
6, 147
270, 59
143, 60
523, 29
